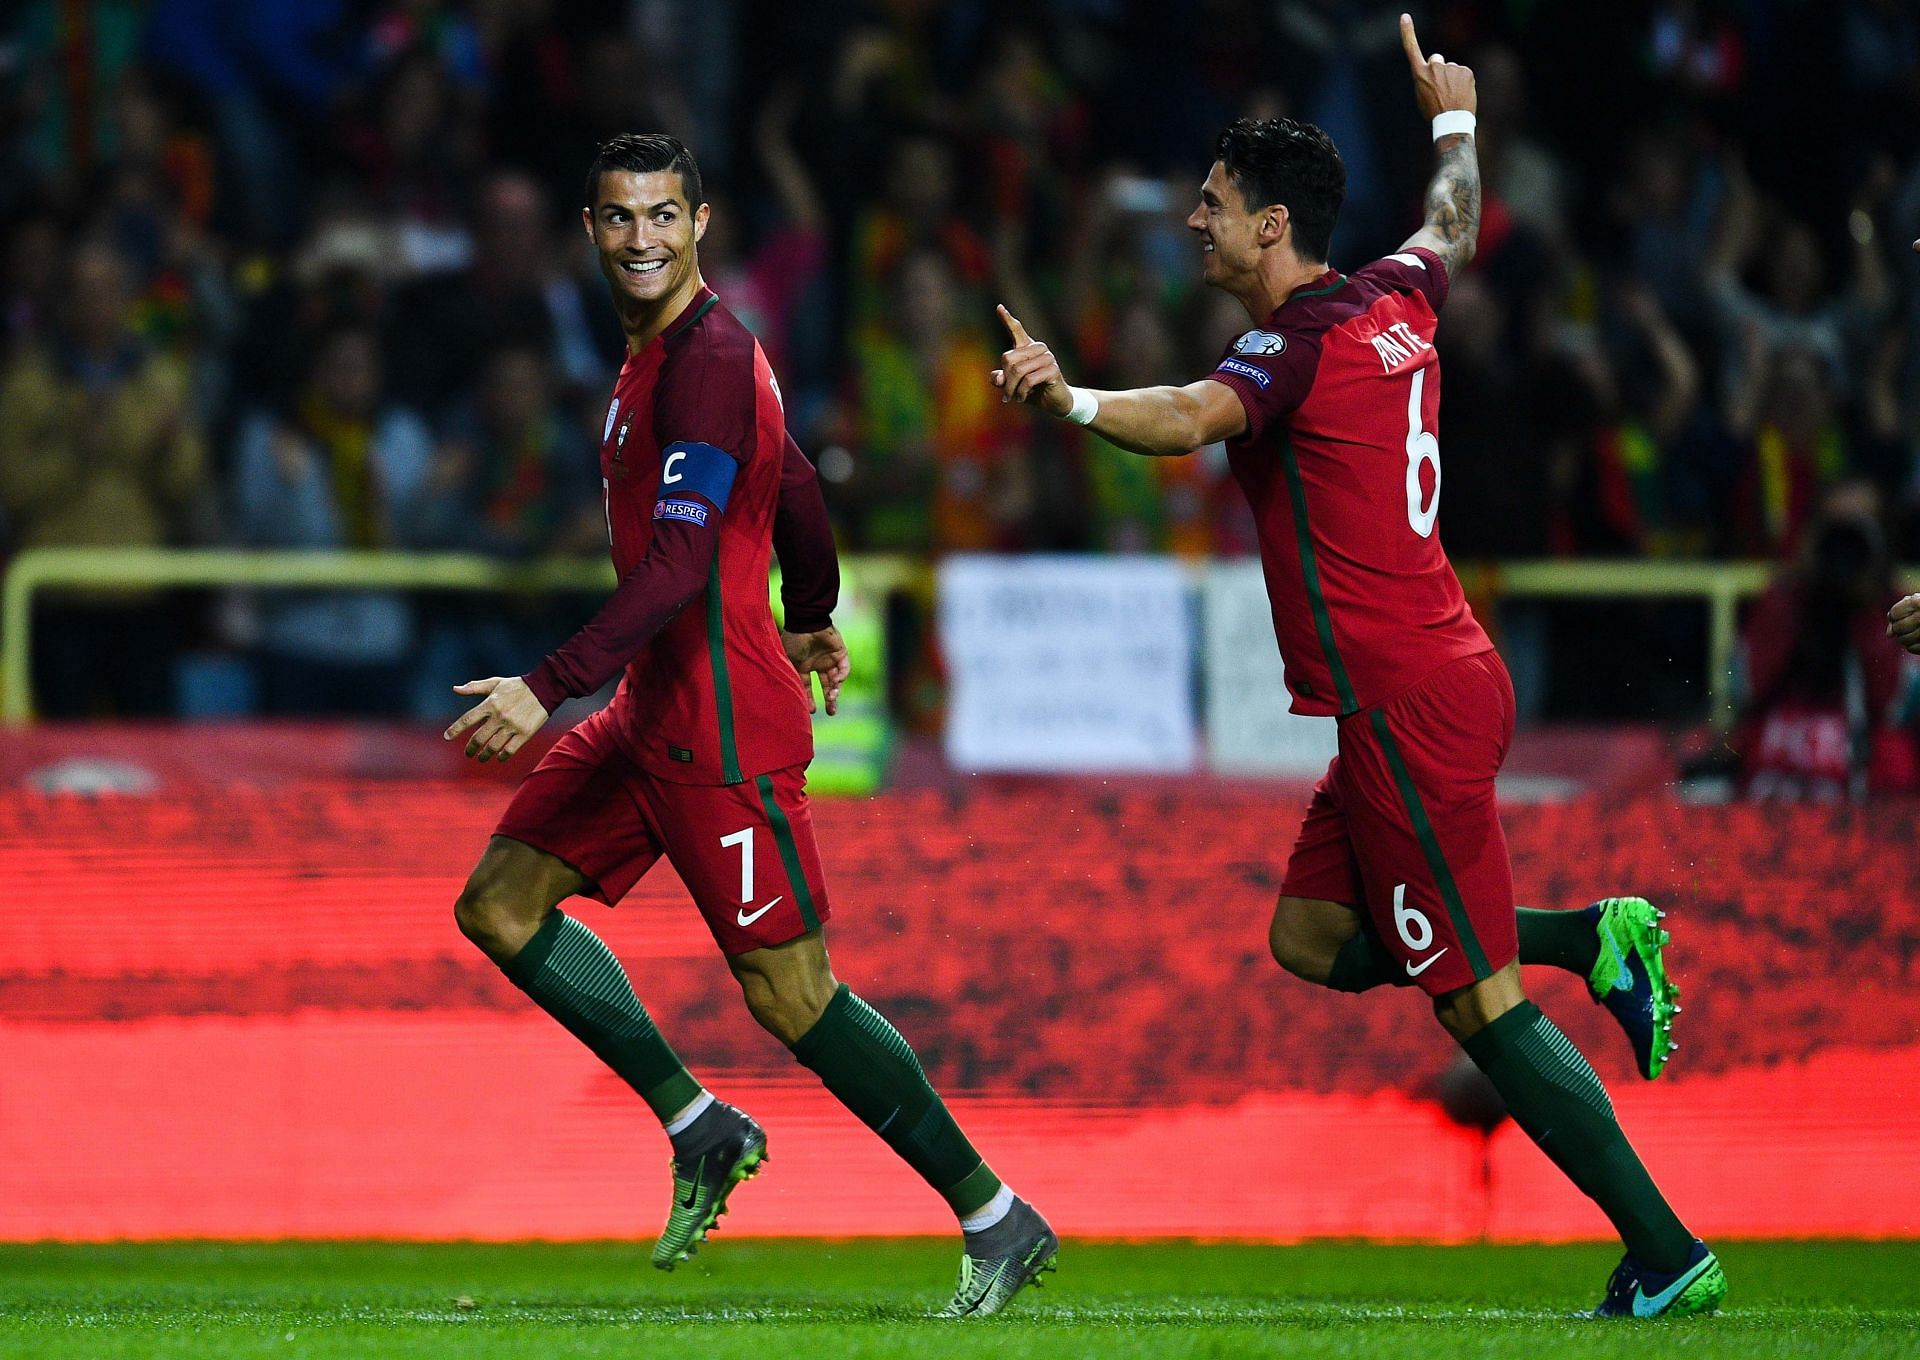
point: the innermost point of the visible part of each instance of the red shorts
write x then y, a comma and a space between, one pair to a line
745, 851
1403, 825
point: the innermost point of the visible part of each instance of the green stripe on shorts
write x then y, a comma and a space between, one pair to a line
1430, 847
789, 853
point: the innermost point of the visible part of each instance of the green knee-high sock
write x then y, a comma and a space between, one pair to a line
577, 980
1555, 1096
1563, 939
1560, 939
871, 1070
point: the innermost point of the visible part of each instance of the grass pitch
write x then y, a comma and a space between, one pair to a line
868, 1298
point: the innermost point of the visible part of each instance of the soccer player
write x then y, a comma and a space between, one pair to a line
701, 756
1400, 872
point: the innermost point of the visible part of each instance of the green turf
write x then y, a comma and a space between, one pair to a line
811, 1300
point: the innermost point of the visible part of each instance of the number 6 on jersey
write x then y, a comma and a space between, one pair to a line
1422, 447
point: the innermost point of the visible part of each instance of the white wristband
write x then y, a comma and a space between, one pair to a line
1085, 406
1451, 122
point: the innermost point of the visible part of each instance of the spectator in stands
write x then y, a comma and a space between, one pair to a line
32, 284
416, 152
1794, 447
270, 75
343, 468
1793, 305
941, 464
514, 293
1152, 504
765, 286
99, 448
1828, 702
514, 476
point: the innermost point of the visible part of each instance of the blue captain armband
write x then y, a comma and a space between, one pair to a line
689, 470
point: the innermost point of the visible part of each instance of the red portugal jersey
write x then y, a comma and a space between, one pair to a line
1341, 462
695, 430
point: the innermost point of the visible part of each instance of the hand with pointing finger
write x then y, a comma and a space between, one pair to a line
1029, 372
1439, 85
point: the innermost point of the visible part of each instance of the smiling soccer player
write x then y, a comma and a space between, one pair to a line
1329, 409
702, 754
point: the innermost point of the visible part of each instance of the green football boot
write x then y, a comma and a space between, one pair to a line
701, 1185
1636, 1292
1000, 1261
1630, 978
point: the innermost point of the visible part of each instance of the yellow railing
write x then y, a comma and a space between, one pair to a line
1720, 586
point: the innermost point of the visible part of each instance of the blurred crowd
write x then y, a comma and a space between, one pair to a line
309, 273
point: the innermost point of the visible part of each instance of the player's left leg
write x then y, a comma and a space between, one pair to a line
747, 854
1616, 945
1557, 1099
872, 1070
1417, 783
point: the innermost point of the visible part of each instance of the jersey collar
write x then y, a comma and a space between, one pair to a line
698, 306
1330, 282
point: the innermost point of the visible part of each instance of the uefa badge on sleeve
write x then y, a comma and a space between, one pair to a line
1260, 344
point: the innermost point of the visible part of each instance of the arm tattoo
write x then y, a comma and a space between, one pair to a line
1453, 201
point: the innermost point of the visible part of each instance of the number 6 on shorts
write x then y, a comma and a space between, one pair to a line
1416, 931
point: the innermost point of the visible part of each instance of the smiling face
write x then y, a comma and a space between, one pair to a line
645, 231
1229, 231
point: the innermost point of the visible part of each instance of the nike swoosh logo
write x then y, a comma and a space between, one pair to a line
1425, 964
693, 1190
1652, 1307
747, 918
1622, 976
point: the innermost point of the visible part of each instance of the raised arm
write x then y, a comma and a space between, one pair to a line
1157, 421
1453, 194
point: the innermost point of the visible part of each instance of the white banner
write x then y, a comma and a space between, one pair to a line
1067, 663
1249, 730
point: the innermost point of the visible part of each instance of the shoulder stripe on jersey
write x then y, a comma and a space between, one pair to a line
1310, 576
1333, 287
722, 689
712, 301
1430, 847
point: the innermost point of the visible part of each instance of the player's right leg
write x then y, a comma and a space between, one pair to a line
572, 829
509, 909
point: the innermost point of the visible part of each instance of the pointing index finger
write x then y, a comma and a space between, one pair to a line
1409, 42
1014, 328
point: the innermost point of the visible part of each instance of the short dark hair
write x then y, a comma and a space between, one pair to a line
1281, 160
645, 153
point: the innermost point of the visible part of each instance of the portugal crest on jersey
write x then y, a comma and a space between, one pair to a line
620, 445
1260, 343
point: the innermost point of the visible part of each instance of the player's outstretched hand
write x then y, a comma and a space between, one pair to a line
1438, 84
1028, 372
500, 723
1903, 623
823, 654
